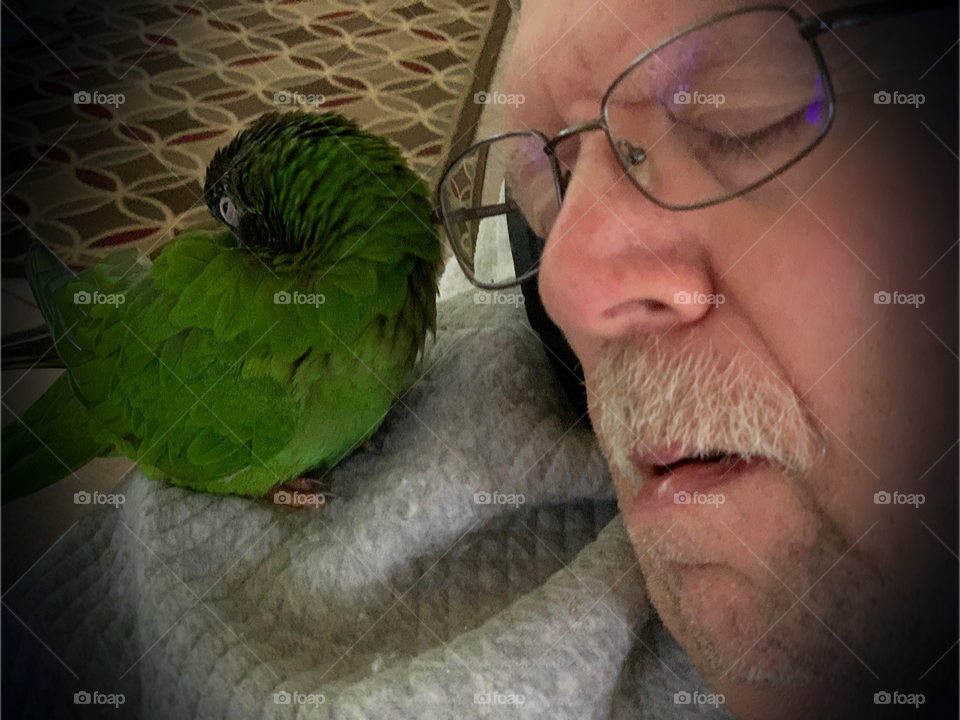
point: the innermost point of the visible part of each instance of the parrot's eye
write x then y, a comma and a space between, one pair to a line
228, 211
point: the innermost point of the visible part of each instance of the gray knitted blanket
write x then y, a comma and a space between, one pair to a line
472, 566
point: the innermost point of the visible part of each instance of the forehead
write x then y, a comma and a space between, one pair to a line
568, 52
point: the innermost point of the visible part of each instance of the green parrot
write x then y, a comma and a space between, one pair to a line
236, 361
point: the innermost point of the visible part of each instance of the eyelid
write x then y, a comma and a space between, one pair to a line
228, 211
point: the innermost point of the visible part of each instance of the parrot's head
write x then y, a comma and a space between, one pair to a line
303, 189
250, 179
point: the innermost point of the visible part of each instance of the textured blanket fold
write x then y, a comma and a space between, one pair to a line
472, 566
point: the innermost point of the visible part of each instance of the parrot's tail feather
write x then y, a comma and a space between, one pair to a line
53, 438
31, 348
47, 276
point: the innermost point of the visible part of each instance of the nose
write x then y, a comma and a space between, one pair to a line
615, 264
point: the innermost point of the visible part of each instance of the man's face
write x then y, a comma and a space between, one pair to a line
800, 574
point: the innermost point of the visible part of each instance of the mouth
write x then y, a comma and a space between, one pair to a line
667, 472
658, 470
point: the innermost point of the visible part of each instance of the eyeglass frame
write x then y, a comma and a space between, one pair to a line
809, 28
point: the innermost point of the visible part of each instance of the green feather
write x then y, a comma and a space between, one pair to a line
199, 374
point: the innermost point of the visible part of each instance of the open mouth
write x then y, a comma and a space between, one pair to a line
720, 461
668, 475
664, 462
671, 477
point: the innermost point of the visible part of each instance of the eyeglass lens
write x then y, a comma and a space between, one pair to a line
718, 109
475, 187
707, 115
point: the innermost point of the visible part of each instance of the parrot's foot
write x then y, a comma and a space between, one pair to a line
372, 444
301, 492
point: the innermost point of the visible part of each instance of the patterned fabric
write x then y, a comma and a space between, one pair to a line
108, 128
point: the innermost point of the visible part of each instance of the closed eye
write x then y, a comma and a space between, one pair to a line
229, 212
752, 142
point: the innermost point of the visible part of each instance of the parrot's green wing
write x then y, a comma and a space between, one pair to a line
189, 402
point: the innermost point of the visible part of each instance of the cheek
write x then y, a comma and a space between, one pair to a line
808, 295
875, 375
878, 234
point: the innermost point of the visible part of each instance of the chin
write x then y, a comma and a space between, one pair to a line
728, 609
738, 631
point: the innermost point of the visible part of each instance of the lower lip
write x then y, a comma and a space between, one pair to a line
695, 478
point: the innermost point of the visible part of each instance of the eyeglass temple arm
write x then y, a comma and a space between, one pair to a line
477, 213
860, 14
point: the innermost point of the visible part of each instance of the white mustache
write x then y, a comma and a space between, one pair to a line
694, 398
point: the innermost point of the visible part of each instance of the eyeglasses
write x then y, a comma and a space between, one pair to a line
712, 112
